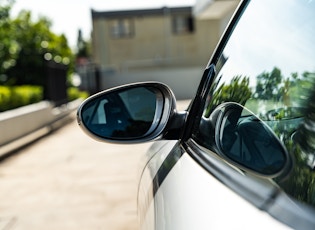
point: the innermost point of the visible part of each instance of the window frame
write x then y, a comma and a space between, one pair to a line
182, 24
122, 28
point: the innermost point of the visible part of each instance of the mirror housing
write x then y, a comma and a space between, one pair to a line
248, 143
132, 113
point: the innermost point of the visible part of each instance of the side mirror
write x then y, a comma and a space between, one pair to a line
127, 114
247, 142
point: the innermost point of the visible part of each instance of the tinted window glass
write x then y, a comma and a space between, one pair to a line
268, 66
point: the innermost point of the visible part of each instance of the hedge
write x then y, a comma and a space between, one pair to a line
17, 96
75, 93
12, 97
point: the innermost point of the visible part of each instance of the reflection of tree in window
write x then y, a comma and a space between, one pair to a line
301, 181
268, 84
237, 91
289, 90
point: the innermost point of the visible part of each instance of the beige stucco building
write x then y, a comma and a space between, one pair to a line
169, 44
148, 38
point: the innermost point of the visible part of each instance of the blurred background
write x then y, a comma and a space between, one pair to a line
104, 44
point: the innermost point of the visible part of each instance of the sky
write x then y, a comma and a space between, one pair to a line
68, 16
256, 47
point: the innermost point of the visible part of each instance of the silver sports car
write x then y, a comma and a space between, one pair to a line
242, 156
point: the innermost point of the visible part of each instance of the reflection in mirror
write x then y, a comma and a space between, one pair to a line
249, 142
123, 114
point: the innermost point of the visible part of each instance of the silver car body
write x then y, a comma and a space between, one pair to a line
190, 198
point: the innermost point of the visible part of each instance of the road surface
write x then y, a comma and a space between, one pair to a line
69, 181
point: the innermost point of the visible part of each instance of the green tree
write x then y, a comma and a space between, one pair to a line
83, 47
8, 46
28, 46
38, 44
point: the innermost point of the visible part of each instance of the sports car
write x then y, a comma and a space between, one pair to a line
242, 155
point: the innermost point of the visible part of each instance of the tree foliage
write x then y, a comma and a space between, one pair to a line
8, 45
276, 87
301, 183
268, 84
237, 91
25, 46
83, 47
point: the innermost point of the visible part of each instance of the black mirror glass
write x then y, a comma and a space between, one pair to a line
126, 113
249, 142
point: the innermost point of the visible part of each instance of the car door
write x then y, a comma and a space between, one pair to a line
265, 66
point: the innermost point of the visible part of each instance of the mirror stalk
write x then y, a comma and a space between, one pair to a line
175, 126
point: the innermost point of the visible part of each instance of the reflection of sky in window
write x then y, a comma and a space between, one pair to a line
273, 33
101, 113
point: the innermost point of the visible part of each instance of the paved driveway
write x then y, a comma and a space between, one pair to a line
69, 181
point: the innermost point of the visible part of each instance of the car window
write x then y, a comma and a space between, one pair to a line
268, 66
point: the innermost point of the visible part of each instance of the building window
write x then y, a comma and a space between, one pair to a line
183, 24
122, 28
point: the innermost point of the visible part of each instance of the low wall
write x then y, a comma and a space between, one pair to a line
23, 125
